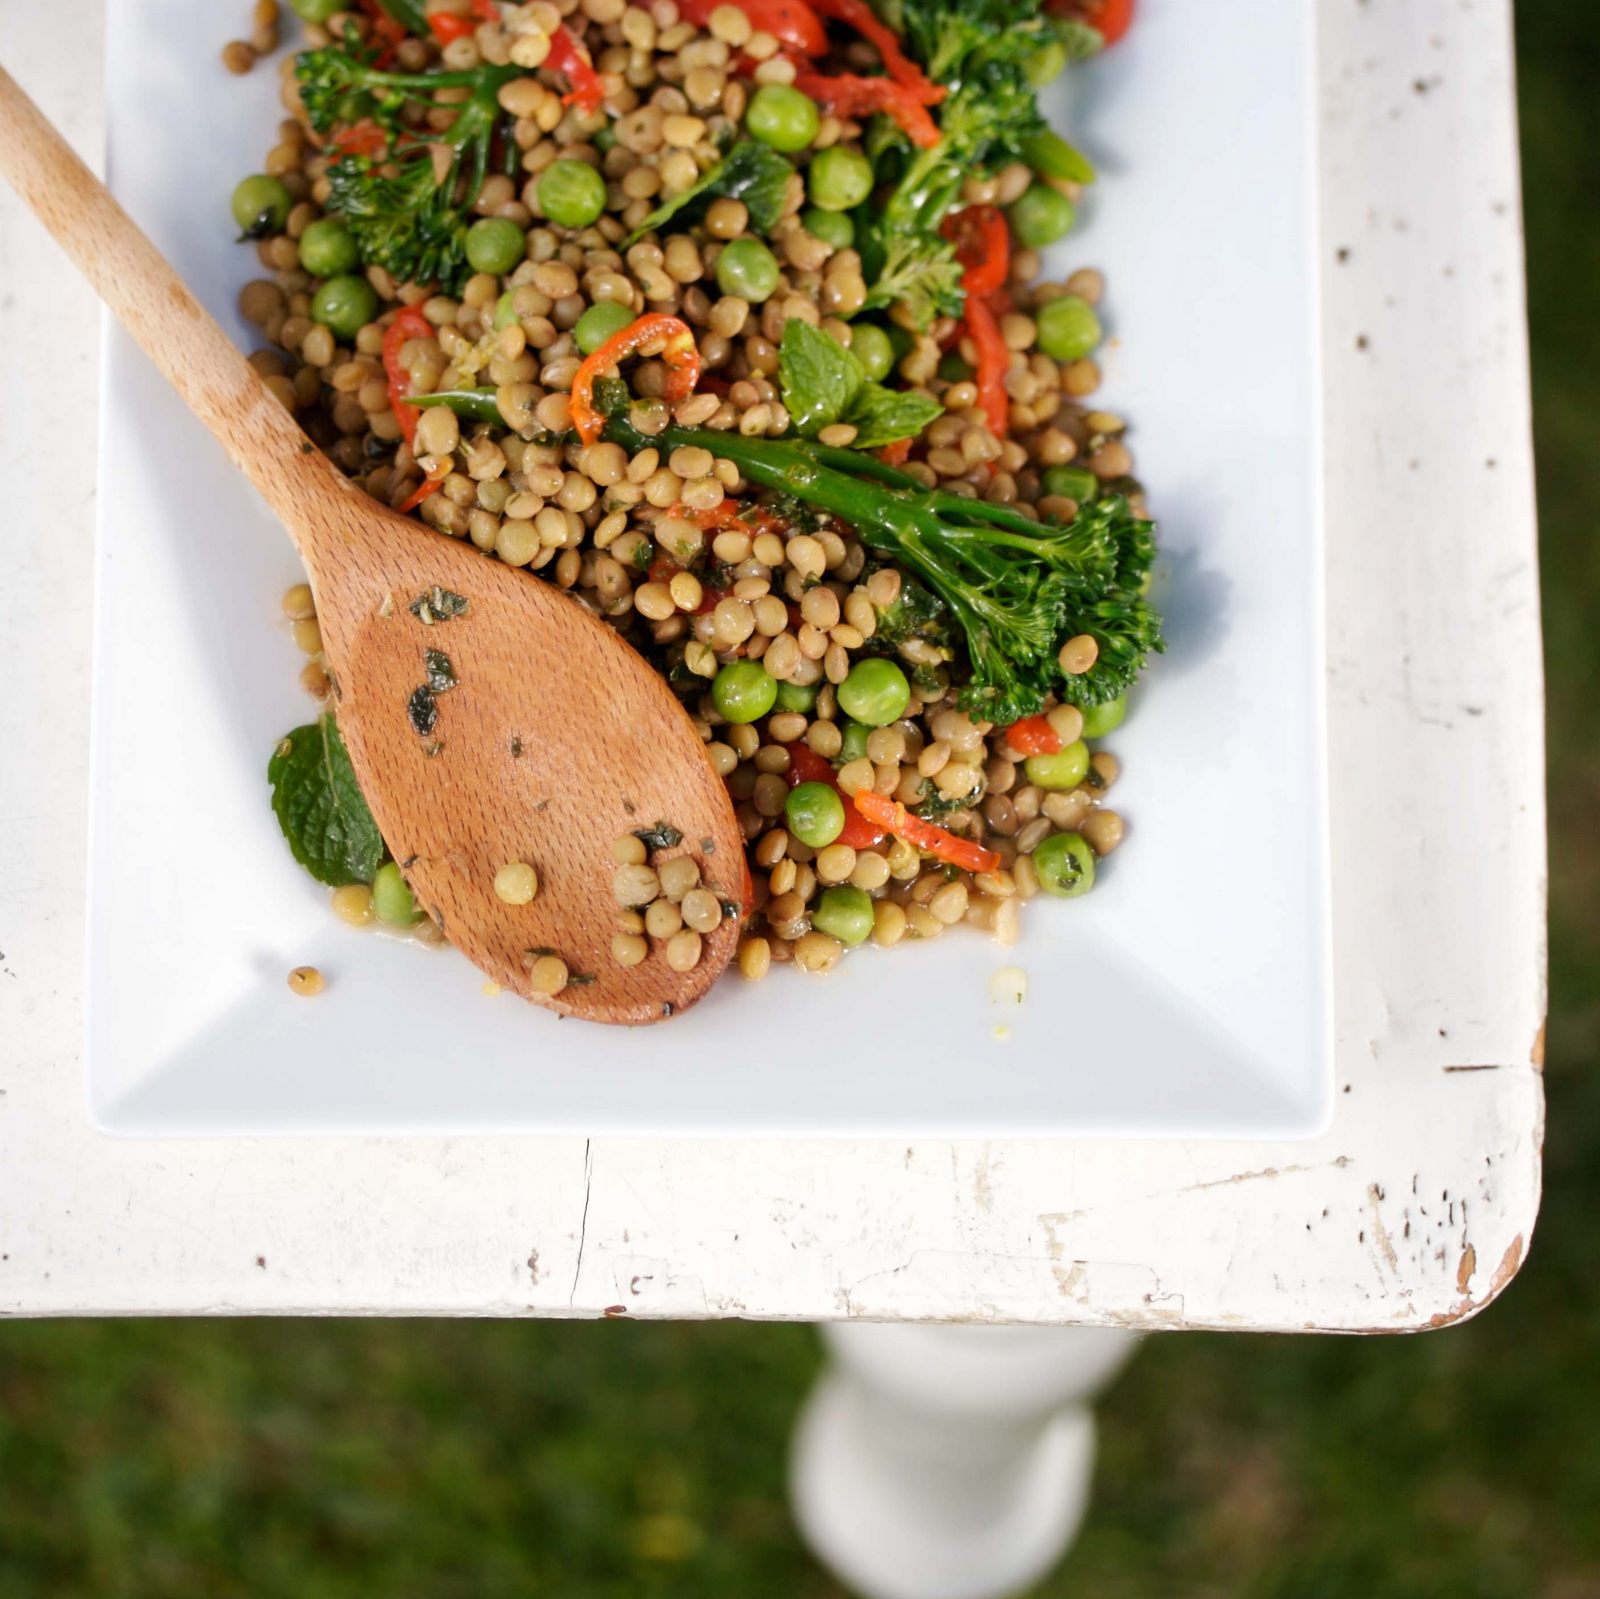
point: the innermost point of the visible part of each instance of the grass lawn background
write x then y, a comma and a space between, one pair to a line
316, 1460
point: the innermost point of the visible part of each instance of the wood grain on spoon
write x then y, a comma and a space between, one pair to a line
556, 738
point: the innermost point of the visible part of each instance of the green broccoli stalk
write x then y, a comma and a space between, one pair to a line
410, 206
1016, 588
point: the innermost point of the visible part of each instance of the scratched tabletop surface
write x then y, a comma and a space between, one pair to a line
1413, 1210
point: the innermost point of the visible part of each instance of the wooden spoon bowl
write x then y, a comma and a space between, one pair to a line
554, 737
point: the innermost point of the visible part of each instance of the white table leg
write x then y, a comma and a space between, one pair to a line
949, 1462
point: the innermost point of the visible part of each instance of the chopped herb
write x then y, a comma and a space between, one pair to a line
409, 862
433, 747
579, 979
709, 845
538, 953
666, 1007
662, 836
440, 673
728, 908
438, 605
422, 710
516, 748
932, 806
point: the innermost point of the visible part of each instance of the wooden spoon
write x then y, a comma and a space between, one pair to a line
557, 737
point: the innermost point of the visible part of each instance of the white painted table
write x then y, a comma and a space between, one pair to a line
1414, 1210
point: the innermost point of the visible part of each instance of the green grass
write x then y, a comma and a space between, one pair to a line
319, 1460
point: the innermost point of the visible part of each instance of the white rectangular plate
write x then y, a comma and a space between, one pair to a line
1187, 996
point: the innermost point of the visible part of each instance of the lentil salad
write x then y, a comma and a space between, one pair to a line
724, 318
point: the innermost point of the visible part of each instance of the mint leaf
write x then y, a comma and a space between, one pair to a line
320, 808
752, 172
883, 415
822, 383
819, 378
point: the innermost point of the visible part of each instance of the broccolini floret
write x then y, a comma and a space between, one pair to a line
1016, 589
409, 204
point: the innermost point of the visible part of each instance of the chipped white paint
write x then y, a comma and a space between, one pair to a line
1414, 1209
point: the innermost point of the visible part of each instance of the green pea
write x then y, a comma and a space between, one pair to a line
1066, 769
952, 369
876, 692
782, 117
328, 249
832, 227
1098, 720
853, 741
797, 696
605, 139
1040, 216
1046, 64
1075, 482
391, 897
571, 193
1052, 157
844, 912
345, 305
598, 323
815, 813
744, 691
870, 345
317, 10
1065, 865
1068, 328
495, 244
505, 313
748, 269
839, 179
261, 206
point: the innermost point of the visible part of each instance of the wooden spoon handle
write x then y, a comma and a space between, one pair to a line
152, 303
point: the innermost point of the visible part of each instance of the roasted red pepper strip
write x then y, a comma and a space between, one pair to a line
983, 247
931, 840
792, 23
806, 766
1110, 18
571, 60
847, 95
994, 361
360, 138
859, 15
895, 454
409, 323
389, 31
678, 352
485, 10
1033, 735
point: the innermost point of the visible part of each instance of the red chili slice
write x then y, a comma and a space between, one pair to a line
1109, 18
